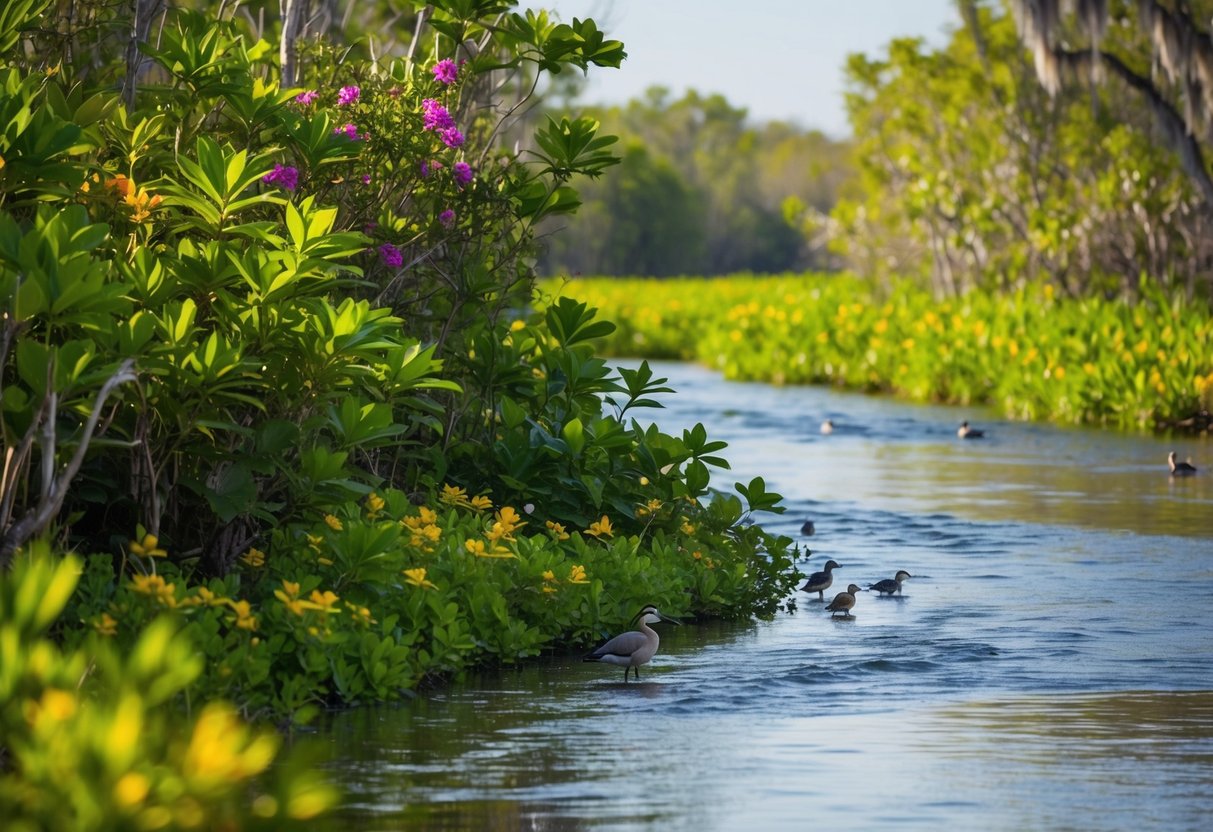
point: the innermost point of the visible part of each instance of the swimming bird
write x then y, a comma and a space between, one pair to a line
966, 432
819, 582
843, 602
827, 427
808, 528
890, 585
1180, 469
630, 650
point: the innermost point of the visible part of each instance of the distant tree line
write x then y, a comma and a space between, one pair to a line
700, 190
1037, 144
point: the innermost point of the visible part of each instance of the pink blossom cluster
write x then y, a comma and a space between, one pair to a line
445, 71
447, 218
306, 97
391, 256
461, 172
347, 96
284, 175
350, 130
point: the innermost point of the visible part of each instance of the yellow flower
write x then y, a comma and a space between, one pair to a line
291, 588
333, 523
549, 575
1059, 373
54, 706
254, 558
131, 789
453, 495
207, 598
106, 626
652, 507
577, 575
517, 325
477, 548
154, 587
314, 541
148, 546
510, 518
374, 505
362, 614
558, 530
244, 615
223, 750
687, 528
602, 528
416, 577
324, 601
482, 503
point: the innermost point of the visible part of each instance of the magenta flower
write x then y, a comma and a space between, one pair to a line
430, 167
307, 97
349, 130
435, 116
283, 175
445, 71
447, 218
462, 173
451, 137
391, 256
366, 179
347, 96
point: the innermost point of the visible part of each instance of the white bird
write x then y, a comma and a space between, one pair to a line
819, 582
890, 585
1180, 469
966, 432
630, 650
827, 427
843, 602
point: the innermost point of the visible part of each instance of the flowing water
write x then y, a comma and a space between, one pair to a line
1049, 665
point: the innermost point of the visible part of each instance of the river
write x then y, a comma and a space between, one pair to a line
1048, 666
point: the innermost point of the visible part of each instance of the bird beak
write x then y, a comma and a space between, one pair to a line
669, 620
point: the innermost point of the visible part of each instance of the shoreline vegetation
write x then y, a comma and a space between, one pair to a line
1029, 354
282, 428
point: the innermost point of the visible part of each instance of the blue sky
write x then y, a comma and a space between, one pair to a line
781, 59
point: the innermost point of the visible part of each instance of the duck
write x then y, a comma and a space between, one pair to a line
966, 432
1180, 469
890, 585
807, 528
819, 582
843, 602
632, 649
827, 427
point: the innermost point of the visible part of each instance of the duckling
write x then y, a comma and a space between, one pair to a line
966, 432
808, 529
1180, 469
819, 582
890, 585
630, 650
843, 602
827, 427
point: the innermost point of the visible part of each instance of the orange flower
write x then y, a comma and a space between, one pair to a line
602, 528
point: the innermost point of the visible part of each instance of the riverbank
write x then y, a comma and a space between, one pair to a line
1029, 355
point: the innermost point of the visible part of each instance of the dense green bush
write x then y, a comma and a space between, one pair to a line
1030, 354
